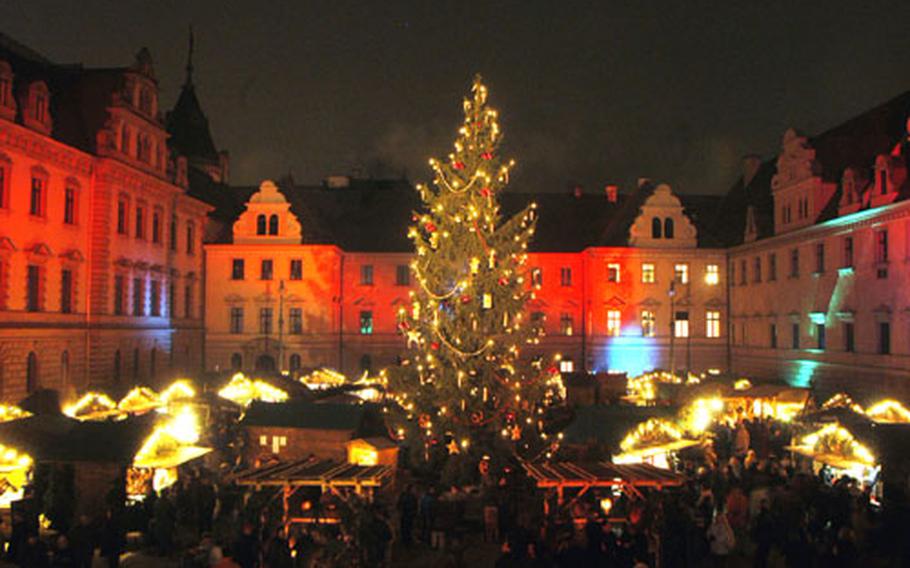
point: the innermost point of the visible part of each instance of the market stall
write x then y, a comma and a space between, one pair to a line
837, 449
654, 442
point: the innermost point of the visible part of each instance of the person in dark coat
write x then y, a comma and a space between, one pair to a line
33, 553
246, 549
111, 539
407, 509
63, 554
82, 542
278, 553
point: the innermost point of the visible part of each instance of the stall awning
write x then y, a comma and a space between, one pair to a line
175, 458
600, 474
316, 472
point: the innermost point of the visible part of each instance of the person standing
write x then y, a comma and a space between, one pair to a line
407, 510
82, 542
721, 539
111, 539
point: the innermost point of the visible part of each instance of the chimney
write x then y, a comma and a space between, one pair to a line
751, 163
577, 191
612, 192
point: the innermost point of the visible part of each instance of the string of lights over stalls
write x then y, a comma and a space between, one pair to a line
466, 324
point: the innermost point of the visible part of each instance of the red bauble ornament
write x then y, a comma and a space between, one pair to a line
404, 325
477, 416
423, 421
458, 165
430, 227
487, 155
503, 281
552, 370
486, 192
465, 299
434, 346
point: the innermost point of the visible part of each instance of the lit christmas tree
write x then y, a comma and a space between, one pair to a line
464, 384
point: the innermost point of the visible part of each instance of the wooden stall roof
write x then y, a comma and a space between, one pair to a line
315, 472
600, 474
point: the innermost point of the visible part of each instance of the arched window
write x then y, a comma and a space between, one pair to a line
136, 364
655, 228
65, 368
273, 225
260, 225
117, 367
236, 362
366, 363
295, 363
31, 373
668, 228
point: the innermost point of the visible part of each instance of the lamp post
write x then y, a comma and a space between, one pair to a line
672, 294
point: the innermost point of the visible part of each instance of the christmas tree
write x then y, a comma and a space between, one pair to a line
464, 384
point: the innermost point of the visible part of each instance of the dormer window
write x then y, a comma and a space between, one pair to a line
273, 225
668, 228
7, 102
656, 228
260, 225
37, 114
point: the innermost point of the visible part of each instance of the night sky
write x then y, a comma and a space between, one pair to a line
588, 93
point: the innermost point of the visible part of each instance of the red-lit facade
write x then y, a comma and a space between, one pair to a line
100, 246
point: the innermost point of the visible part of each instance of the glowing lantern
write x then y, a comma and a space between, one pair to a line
606, 505
92, 405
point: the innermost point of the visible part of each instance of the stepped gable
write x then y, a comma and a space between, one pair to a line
853, 143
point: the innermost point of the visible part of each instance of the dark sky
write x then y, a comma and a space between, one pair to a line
591, 93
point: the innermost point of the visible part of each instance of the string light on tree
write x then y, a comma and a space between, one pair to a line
464, 329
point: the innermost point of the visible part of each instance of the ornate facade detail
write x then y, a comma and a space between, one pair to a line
267, 219
796, 161
662, 222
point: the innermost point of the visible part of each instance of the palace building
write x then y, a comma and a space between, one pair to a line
101, 257
126, 255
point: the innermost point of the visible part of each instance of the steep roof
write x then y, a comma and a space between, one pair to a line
305, 415
59, 438
853, 143
189, 127
373, 215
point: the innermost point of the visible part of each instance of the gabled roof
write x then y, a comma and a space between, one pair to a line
61, 439
305, 415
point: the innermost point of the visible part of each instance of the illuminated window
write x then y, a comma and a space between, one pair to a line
712, 323
273, 225
681, 324
648, 274
848, 252
681, 273
881, 245
119, 283
237, 269
565, 324
190, 237
712, 275
648, 323
36, 202
614, 322
566, 366
565, 276
366, 275
237, 319
138, 298
265, 321
140, 222
156, 226
296, 269
66, 291
613, 272
69, 204
155, 292
366, 322
295, 321
188, 301
536, 277
266, 269
402, 275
